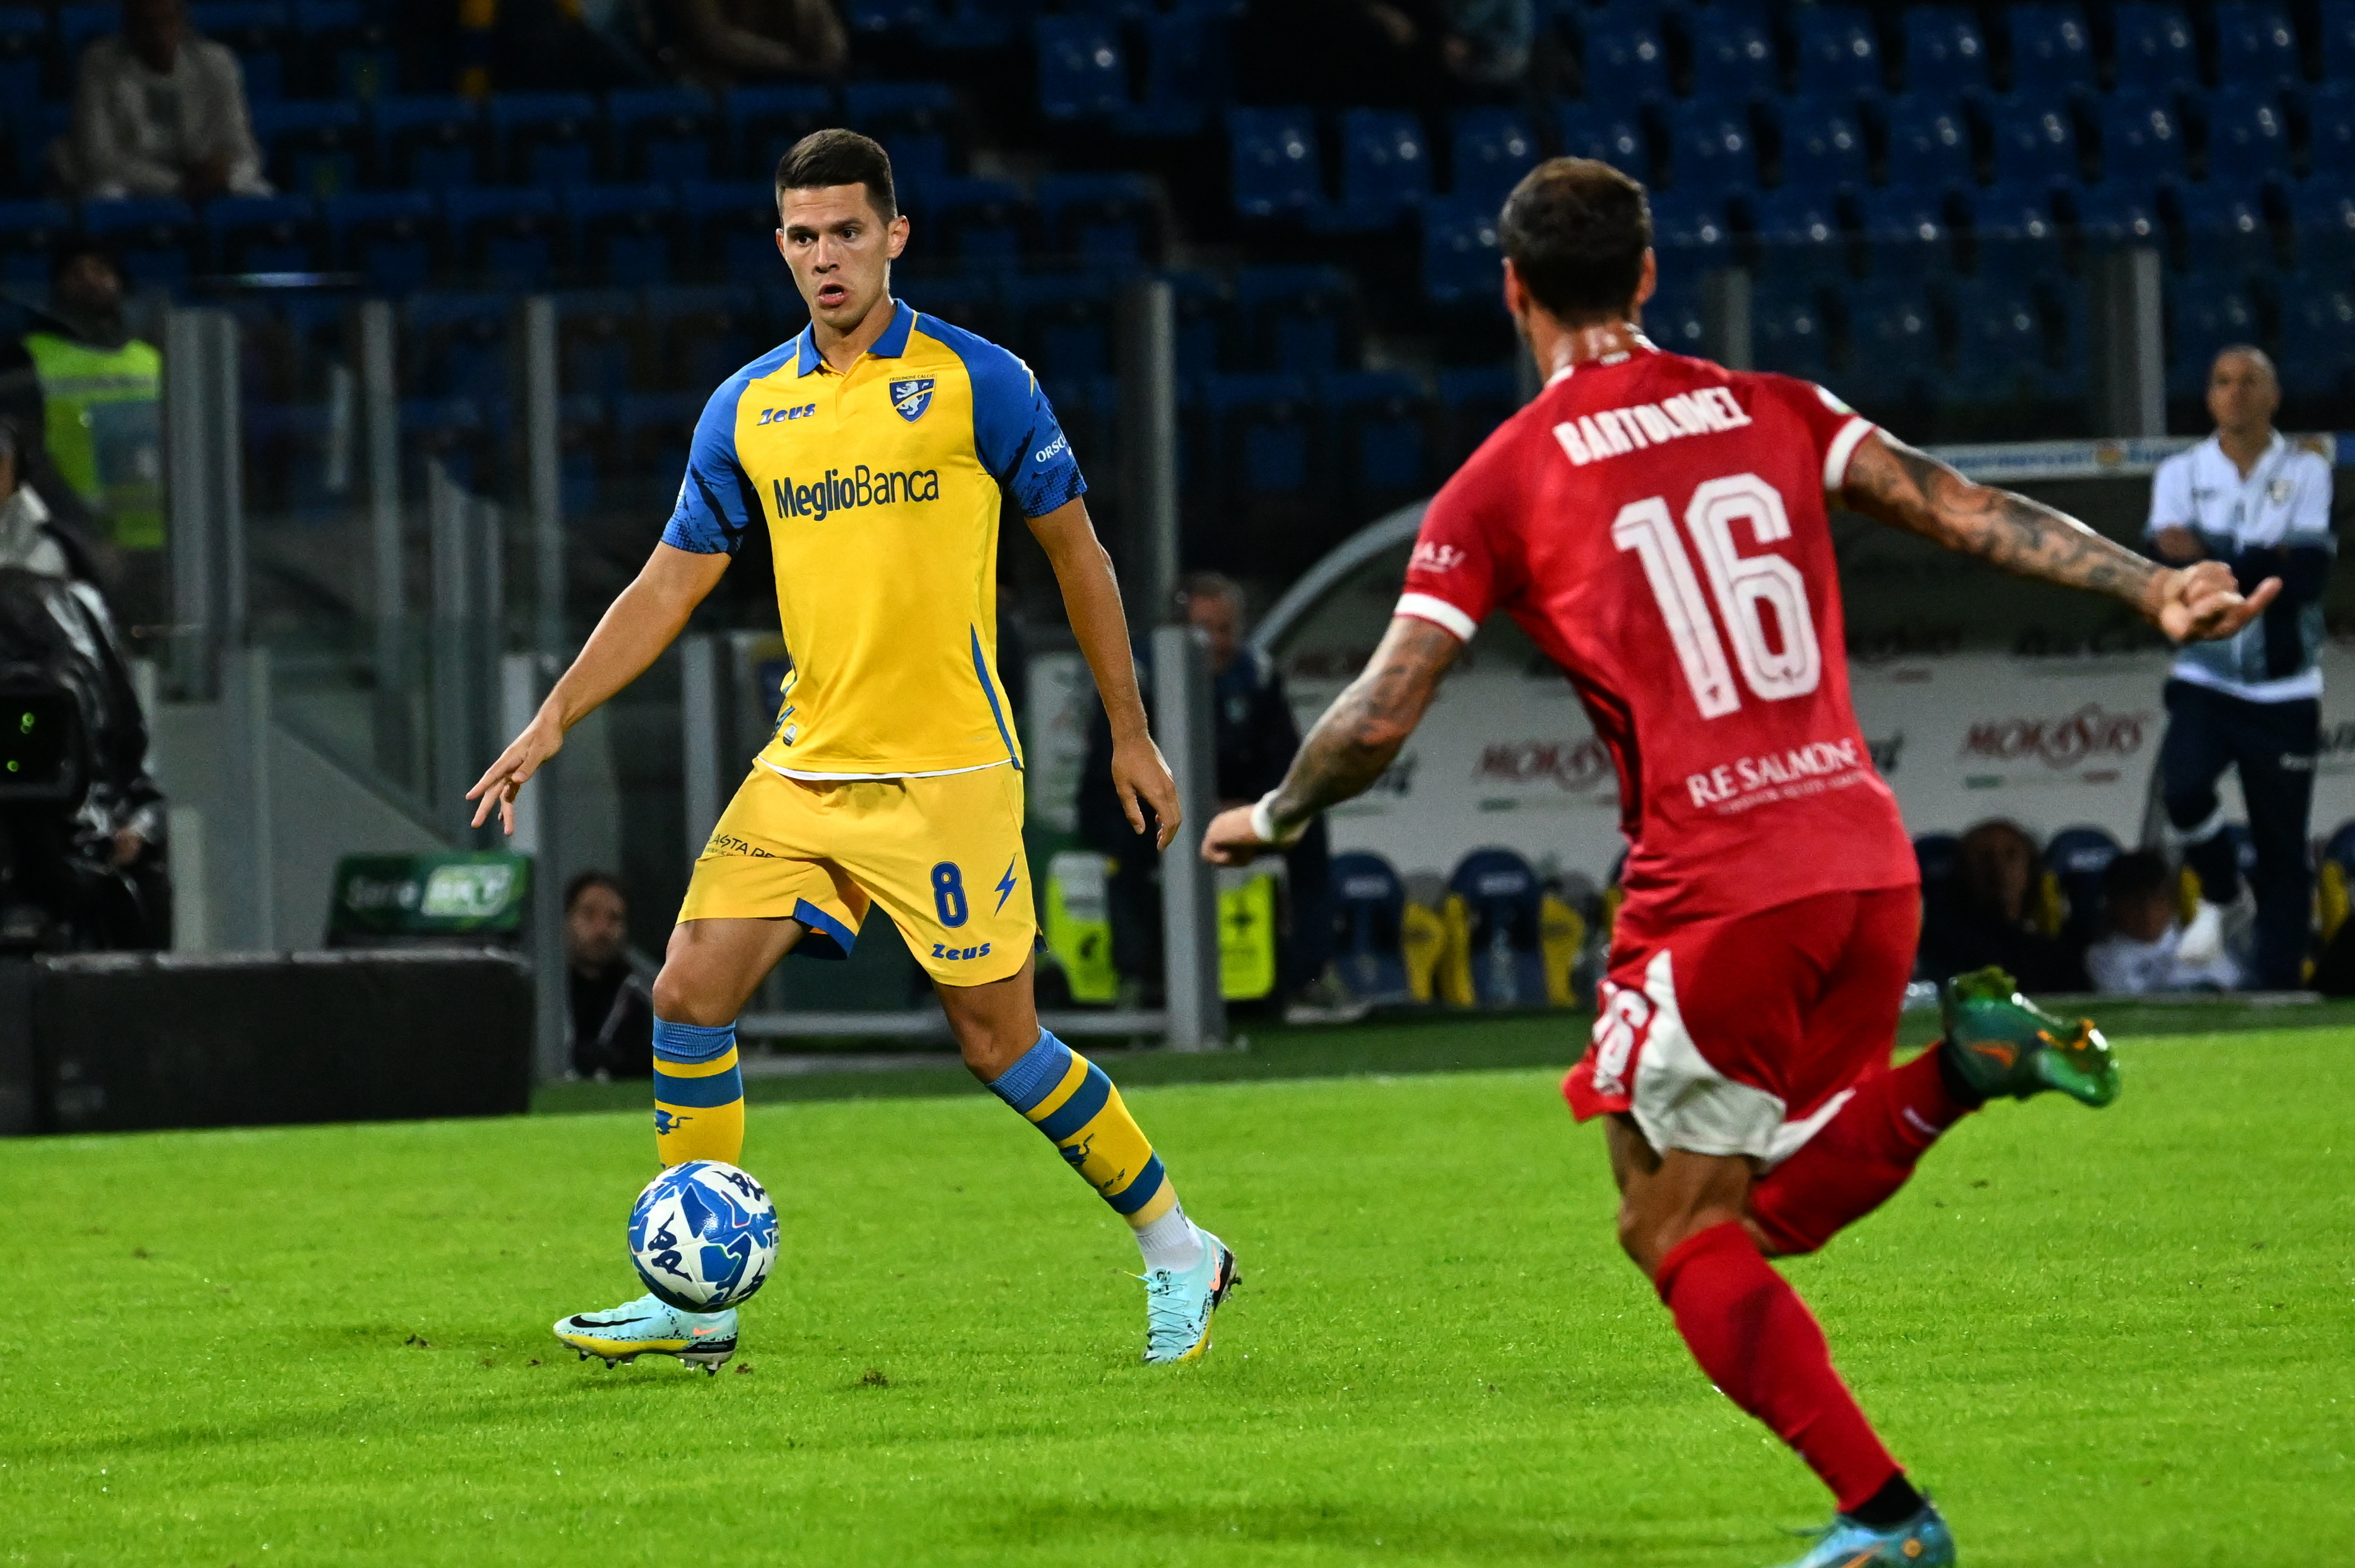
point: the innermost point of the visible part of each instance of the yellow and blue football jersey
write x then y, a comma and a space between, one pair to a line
882, 487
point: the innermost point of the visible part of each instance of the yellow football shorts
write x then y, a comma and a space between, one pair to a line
943, 856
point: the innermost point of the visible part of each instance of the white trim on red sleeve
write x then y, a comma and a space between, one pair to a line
1439, 612
1843, 448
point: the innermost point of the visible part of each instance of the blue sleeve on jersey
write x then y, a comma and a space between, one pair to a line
715, 501
1015, 430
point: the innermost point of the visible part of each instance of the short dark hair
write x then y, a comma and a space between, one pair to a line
840, 157
77, 245
2136, 874
583, 881
1575, 230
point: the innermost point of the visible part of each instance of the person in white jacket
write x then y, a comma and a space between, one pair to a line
160, 111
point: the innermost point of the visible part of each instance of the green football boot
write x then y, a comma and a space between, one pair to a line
2003, 1044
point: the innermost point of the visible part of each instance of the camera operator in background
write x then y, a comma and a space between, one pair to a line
2253, 702
82, 824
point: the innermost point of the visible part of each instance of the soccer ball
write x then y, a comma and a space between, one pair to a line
703, 1235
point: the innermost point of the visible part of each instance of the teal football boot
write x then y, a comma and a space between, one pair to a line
2003, 1044
1922, 1541
1178, 1305
652, 1327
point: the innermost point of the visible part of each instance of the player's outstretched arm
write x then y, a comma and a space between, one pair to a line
643, 620
1140, 777
1358, 737
1894, 484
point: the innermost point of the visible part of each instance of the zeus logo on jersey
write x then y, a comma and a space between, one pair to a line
862, 486
779, 416
1611, 432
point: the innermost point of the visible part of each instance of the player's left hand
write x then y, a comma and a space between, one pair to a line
1141, 783
1231, 840
2201, 603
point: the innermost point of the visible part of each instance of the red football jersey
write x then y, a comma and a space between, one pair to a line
1656, 526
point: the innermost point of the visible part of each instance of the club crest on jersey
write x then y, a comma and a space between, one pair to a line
912, 397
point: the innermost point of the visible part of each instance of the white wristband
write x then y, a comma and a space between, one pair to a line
1263, 823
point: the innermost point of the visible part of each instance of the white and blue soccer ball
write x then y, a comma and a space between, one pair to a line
703, 1235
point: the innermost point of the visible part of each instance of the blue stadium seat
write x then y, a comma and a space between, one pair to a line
78, 27
2076, 857
1475, 399
345, 50
1624, 65
2337, 18
545, 139
1712, 149
899, 109
627, 235
2330, 129
2011, 214
986, 224
2000, 343
1905, 231
509, 237
2035, 141
257, 32
2152, 49
2142, 140
2224, 232
1945, 51
661, 133
1460, 258
1189, 70
264, 234
1823, 146
1795, 217
1790, 335
1206, 324
1893, 343
733, 228
2256, 47
1929, 144
1112, 222
1270, 459
1503, 898
2318, 357
699, 336
974, 300
428, 143
389, 235
2322, 215
30, 232
153, 237
1369, 908
310, 149
763, 122
1838, 54
1693, 224
1063, 323
1299, 320
595, 334
1734, 62
24, 50
2204, 316
1491, 150
652, 430
1273, 170
1082, 69
1674, 320
2051, 49
38, 125
2248, 138
1385, 169
1381, 424
2115, 211
876, 17
1608, 135
454, 345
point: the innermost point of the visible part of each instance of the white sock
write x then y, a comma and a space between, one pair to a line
1170, 1242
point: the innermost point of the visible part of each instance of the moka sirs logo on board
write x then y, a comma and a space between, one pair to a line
912, 397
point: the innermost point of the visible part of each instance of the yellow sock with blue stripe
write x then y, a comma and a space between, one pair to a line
1068, 1098
699, 1093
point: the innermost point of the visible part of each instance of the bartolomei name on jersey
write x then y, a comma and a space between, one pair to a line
1609, 432
862, 486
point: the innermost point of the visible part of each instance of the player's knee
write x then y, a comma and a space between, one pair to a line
678, 1000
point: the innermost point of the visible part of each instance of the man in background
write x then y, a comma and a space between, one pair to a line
159, 112
611, 1016
2253, 702
2140, 948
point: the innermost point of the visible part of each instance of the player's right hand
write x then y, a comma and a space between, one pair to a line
2201, 603
541, 739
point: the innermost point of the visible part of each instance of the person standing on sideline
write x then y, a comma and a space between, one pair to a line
2251, 701
611, 1019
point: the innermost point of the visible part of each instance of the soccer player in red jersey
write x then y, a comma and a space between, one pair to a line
1657, 526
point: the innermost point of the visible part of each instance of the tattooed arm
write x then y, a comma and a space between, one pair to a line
1356, 738
1891, 482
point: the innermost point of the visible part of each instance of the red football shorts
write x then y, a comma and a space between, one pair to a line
1745, 1036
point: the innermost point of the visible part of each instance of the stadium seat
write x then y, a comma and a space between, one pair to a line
1063, 323
1490, 150
1624, 66
2248, 138
1299, 320
1797, 217
2203, 317
732, 225
1082, 69
509, 237
264, 234
428, 143
344, 50
24, 50
2035, 142
763, 122
699, 336
2336, 21
1270, 465
625, 236
1460, 258
652, 429
545, 139
1273, 167
2322, 218
2074, 860
1474, 400
153, 235
1370, 906
596, 332
257, 32
389, 235
914, 119
1790, 335
2256, 47
1999, 342
455, 432
974, 300
1838, 55
78, 28
2331, 130
1609, 136
1385, 170
1905, 232
454, 345
1189, 70
310, 149
2142, 140
2051, 49
1945, 51
981, 224
30, 232
2318, 357
1381, 436
1206, 325
1823, 147
2117, 211
660, 134
1712, 149
1929, 144
1691, 226
877, 18
1501, 898
2012, 219
1673, 320
2152, 49
1732, 63
1111, 222
2224, 232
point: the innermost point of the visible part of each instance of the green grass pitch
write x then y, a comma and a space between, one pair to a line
2124, 1337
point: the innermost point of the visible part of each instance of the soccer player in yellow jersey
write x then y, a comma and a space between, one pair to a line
877, 448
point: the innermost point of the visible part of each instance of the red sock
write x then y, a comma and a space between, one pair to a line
1759, 1343
1859, 1158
